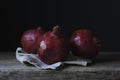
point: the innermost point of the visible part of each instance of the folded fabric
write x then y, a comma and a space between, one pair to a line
33, 59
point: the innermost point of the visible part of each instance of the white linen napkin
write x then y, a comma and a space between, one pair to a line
33, 59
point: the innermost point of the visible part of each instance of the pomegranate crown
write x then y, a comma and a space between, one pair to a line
56, 30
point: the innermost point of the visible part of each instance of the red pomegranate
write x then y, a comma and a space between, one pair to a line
29, 38
84, 44
52, 47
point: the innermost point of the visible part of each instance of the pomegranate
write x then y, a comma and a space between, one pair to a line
29, 38
52, 47
84, 44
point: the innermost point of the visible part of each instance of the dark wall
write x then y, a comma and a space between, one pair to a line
102, 17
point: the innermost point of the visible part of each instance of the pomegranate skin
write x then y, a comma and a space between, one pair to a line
52, 47
84, 44
29, 40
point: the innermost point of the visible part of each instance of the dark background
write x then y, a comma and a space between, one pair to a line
102, 17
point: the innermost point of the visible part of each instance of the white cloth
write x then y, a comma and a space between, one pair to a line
33, 59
